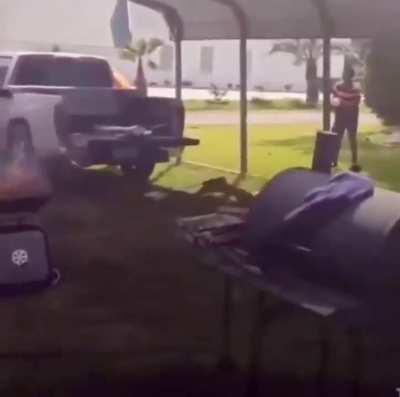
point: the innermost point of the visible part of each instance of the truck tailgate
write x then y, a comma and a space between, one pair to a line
171, 142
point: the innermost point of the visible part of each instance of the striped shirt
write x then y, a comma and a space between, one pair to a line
347, 96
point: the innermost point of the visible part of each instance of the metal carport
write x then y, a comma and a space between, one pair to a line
274, 19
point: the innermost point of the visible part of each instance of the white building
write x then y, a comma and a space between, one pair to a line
84, 26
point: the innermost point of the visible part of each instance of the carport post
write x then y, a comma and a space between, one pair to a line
241, 19
327, 84
178, 67
243, 103
327, 29
178, 78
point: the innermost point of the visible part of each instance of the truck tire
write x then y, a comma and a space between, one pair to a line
19, 141
140, 171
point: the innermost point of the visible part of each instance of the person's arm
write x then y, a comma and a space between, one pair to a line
350, 97
335, 100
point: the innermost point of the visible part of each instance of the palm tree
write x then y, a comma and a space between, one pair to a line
359, 55
136, 52
361, 49
308, 51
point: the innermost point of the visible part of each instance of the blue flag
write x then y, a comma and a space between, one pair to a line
120, 25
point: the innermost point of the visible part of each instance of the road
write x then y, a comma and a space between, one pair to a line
231, 95
266, 117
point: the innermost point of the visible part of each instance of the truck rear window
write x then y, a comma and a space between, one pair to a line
4, 65
63, 72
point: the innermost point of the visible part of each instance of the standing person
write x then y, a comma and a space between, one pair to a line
346, 101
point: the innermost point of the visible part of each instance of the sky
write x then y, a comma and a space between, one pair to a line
81, 22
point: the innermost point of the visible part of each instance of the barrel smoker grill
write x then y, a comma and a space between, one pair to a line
358, 249
350, 263
25, 264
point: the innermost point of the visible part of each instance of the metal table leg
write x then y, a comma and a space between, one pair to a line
325, 353
256, 347
357, 350
226, 361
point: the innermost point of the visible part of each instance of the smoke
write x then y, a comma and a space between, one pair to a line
22, 177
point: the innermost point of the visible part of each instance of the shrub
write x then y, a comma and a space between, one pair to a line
288, 87
218, 93
262, 103
299, 104
382, 84
281, 104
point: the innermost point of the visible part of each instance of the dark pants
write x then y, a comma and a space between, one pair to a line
346, 120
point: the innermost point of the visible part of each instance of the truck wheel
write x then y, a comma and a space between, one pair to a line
141, 171
19, 142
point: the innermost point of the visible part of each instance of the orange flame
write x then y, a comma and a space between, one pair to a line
23, 180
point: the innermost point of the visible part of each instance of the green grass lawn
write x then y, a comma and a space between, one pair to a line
257, 104
273, 148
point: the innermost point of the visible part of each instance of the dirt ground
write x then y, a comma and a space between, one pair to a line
134, 314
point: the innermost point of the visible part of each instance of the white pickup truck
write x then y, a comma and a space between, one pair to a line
52, 102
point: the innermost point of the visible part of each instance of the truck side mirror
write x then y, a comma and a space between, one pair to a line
4, 93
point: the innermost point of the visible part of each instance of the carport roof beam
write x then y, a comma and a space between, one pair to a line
171, 16
278, 19
327, 28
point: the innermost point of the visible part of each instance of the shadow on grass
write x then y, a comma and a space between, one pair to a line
94, 184
130, 286
229, 192
187, 382
305, 144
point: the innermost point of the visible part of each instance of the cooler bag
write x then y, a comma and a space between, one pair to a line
25, 263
